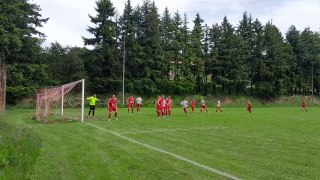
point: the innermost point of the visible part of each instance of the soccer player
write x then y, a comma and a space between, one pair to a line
304, 105
193, 104
249, 108
168, 106
130, 103
112, 107
92, 100
184, 104
158, 106
219, 106
203, 105
139, 102
163, 106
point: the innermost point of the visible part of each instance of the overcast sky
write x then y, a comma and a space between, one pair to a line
69, 18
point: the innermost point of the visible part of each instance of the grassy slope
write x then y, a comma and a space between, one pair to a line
271, 143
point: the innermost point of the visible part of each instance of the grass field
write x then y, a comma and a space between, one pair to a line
271, 143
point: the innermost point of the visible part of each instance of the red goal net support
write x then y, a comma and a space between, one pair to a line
3, 79
62, 103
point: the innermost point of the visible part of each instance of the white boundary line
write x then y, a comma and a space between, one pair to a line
166, 130
168, 153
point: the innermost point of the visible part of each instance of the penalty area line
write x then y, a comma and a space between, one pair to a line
169, 153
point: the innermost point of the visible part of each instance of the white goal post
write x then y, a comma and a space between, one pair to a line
61, 103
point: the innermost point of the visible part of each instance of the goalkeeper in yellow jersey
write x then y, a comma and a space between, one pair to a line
92, 100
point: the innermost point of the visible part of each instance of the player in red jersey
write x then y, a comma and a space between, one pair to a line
193, 104
158, 106
304, 105
168, 105
163, 106
112, 107
203, 105
130, 103
249, 108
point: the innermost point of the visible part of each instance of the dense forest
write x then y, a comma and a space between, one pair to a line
162, 54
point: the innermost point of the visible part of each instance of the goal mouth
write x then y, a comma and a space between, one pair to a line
63, 103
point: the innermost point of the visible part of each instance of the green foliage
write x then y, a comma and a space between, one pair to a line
19, 149
17, 93
103, 61
161, 53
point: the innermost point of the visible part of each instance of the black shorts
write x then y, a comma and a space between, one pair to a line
92, 107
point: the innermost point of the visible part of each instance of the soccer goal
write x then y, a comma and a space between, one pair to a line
63, 103
2, 86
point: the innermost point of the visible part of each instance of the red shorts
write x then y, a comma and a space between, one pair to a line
130, 106
249, 108
138, 105
159, 108
203, 106
303, 106
112, 109
168, 107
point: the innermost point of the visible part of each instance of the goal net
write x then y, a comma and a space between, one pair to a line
61, 104
2, 86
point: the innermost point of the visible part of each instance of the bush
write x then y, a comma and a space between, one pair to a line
16, 94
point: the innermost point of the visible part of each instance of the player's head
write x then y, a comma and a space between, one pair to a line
169, 97
113, 96
94, 95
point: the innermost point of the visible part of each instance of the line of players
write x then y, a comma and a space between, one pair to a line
163, 106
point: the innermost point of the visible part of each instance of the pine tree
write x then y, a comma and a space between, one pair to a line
246, 31
105, 62
197, 57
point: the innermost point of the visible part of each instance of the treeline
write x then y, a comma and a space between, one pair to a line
162, 54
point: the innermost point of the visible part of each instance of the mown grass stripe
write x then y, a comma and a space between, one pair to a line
169, 153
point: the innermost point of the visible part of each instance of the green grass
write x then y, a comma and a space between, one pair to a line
271, 143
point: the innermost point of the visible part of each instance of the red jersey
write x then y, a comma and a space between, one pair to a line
303, 104
112, 103
193, 103
169, 102
162, 102
131, 100
249, 105
158, 104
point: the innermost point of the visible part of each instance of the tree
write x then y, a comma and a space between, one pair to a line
277, 58
105, 63
18, 41
293, 37
197, 56
154, 76
231, 72
20, 47
247, 33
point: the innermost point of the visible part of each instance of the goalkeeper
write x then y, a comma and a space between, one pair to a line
92, 100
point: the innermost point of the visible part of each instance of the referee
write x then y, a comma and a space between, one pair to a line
92, 100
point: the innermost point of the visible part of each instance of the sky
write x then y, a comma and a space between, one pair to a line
69, 18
